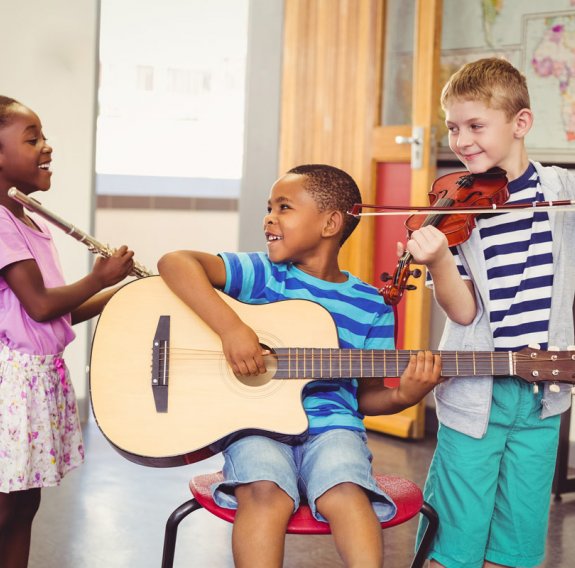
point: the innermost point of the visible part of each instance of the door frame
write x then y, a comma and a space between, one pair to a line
425, 104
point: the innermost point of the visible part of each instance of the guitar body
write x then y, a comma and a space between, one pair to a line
163, 394
207, 405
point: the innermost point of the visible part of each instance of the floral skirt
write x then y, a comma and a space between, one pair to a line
40, 435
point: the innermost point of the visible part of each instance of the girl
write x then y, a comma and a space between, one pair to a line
40, 436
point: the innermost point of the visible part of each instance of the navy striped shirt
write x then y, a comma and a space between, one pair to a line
362, 319
518, 255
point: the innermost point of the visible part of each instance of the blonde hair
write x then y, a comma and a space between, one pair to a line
492, 81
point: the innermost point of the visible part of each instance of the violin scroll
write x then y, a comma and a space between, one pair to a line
392, 290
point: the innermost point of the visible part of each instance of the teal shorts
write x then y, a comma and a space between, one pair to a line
493, 494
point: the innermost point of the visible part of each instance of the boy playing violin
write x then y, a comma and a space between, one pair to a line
511, 284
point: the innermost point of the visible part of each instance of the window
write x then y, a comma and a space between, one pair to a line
171, 98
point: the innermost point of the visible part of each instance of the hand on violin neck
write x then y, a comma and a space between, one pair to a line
454, 295
428, 246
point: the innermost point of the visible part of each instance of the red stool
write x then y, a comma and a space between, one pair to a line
405, 494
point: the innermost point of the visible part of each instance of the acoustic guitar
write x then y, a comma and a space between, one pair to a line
163, 394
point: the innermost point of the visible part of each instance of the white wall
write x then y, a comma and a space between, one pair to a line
48, 61
262, 116
151, 232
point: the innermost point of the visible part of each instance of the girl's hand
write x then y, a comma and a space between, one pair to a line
110, 271
243, 351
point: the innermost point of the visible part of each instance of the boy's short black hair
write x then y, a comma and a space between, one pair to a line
5, 104
331, 188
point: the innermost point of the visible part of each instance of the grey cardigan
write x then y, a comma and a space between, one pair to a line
464, 403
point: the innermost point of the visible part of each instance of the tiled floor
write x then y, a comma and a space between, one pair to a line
110, 513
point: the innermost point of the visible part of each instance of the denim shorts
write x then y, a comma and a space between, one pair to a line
305, 471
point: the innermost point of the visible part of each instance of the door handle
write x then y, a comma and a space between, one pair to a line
416, 141
407, 140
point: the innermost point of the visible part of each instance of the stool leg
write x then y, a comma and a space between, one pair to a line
172, 530
432, 525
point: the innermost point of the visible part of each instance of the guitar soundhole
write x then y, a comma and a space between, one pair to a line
264, 379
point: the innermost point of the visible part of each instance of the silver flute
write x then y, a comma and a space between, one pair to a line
93, 245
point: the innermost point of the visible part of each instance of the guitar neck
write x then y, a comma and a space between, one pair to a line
310, 363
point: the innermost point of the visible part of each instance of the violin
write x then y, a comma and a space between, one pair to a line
455, 191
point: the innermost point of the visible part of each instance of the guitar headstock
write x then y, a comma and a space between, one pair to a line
535, 365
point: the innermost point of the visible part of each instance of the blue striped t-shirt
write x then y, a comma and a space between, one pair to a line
362, 319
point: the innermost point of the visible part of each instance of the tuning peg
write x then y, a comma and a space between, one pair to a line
416, 272
411, 287
535, 347
554, 387
385, 276
536, 388
553, 350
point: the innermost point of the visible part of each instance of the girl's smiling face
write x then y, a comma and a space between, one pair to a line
25, 155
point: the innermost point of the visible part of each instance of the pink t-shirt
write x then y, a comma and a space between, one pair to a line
17, 329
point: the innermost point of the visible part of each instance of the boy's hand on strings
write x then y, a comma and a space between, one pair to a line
243, 351
421, 375
110, 271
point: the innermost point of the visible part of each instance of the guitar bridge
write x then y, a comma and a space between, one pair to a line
161, 364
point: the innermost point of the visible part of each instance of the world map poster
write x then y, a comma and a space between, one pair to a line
539, 39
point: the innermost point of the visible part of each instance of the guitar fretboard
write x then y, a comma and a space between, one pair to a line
311, 363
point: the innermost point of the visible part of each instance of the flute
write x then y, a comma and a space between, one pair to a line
93, 245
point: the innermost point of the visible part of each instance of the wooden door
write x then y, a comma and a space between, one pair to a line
331, 113
398, 179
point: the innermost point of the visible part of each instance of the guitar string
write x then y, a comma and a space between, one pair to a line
484, 363
390, 354
453, 363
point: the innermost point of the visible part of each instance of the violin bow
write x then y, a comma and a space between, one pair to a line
382, 210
